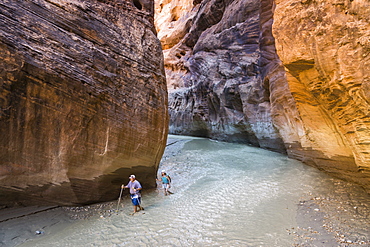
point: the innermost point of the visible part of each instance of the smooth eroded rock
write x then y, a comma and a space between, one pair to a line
215, 70
288, 75
83, 100
325, 49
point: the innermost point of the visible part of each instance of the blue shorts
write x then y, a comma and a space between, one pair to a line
136, 200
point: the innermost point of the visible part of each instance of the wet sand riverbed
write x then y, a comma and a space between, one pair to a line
337, 216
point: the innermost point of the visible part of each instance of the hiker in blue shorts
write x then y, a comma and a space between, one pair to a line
166, 182
135, 188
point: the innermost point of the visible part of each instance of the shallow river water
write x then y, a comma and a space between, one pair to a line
223, 195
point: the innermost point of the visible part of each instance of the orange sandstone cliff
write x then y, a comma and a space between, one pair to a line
324, 47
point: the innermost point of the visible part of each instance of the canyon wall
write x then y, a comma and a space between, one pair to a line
214, 68
287, 75
83, 100
325, 49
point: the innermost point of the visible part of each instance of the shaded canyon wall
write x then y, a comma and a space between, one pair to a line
214, 65
83, 100
290, 76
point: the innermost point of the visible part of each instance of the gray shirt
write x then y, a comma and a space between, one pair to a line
134, 185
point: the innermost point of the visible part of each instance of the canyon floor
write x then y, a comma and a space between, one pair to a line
339, 218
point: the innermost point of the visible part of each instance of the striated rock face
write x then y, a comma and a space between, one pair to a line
83, 100
306, 95
325, 49
215, 63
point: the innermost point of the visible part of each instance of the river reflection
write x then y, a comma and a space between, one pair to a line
228, 195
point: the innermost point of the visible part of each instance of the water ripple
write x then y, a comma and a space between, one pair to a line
224, 195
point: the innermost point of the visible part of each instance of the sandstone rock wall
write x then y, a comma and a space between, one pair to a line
83, 99
287, 75
214, 67
325, 49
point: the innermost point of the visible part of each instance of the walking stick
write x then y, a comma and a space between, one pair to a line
119, 198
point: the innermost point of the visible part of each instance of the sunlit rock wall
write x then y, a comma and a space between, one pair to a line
325, 49
214, 60
83, 100
307, 94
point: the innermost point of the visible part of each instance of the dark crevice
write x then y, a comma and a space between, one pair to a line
137, 4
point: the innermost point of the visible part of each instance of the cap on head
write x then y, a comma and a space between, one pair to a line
132, 176
163, 171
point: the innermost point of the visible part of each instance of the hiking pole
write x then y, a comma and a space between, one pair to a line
119, 198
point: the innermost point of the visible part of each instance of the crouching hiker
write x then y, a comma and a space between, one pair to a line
135, 188
166, 182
